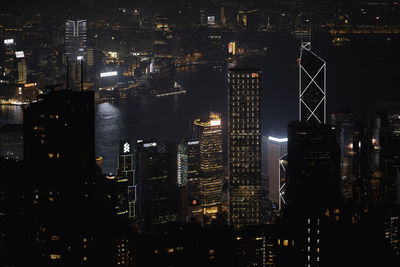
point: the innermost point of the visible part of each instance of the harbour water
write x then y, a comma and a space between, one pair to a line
356, 72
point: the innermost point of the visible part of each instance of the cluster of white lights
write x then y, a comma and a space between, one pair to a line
279, 140
127, 148
149, 144
19, 54
215, 122
193, 143
8, 41
108, 74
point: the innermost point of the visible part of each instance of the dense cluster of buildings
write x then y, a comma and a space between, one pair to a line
120, 49
329, 186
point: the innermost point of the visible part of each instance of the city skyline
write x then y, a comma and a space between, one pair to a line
200, 133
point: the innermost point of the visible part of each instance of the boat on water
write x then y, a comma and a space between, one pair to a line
176, 90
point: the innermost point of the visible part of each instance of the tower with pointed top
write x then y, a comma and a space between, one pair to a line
312, 86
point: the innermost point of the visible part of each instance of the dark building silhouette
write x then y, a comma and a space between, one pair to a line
59, 154
313, 191
156, 174
344, 125
313, 165
244, 146
187, 245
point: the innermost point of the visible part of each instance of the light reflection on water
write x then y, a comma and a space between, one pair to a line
10, 114
166, 118
350, 75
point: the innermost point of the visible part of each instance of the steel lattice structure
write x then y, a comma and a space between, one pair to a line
312, 86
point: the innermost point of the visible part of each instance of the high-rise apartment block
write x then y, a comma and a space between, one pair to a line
244, 145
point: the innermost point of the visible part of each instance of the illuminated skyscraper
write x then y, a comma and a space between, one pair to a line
208, 130
277, 164
244, 145
193, 169
312, 86
126, 193
75, 40
76, 49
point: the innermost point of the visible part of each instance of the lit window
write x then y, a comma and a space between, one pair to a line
55, 256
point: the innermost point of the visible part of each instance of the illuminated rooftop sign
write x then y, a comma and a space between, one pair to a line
19, 54
8, 41
279, 140
127, 147
108, 74
113, 54
215, 122
193, 143
211, 20
232, 48
149, 144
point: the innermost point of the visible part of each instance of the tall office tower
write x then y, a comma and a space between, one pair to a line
313, 189
156, 174
384, 157
162, 39
277, 164
194, 211
21, 68
12, 142
162, 77
244, 146
312, 86
126, 184
8, 59
222, 14
393, 156
344, 125
208, 130
76, 49
313, 166
59, 149
361, 148
75, 40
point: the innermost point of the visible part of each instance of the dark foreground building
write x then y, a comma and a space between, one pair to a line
52, 214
